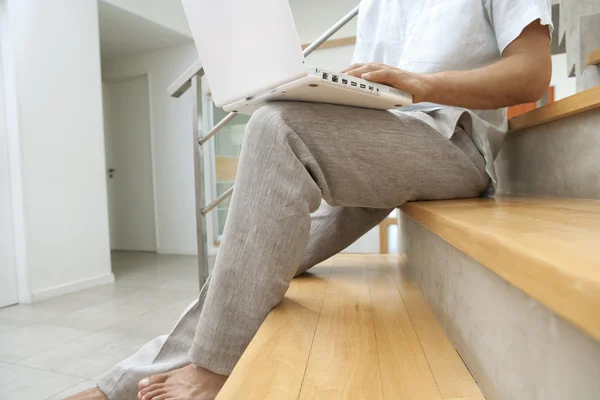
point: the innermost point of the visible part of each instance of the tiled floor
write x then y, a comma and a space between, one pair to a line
58, 347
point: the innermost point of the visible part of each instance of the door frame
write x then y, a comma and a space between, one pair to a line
147, 76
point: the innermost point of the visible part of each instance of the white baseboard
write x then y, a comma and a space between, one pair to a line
71, 287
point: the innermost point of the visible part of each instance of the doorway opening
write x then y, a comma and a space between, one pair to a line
130, 181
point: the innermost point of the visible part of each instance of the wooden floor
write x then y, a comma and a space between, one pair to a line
547, 247
356, 328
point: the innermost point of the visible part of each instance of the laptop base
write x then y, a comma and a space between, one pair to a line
319, 87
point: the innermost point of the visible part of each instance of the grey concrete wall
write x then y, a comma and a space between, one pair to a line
561, 159
514, 346
571, 13
590, 41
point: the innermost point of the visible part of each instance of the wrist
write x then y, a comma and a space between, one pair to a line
429, 86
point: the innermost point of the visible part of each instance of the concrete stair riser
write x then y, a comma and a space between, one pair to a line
515, 347
559, 158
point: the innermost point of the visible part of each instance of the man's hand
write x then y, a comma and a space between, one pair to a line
521, 76
415, 84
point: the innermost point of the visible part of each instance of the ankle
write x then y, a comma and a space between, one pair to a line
210, 377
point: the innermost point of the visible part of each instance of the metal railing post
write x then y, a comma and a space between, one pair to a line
199, 186
217, 128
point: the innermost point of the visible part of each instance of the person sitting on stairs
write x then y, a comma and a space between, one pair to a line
313, 178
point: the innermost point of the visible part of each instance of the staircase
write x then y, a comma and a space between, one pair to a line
515, 280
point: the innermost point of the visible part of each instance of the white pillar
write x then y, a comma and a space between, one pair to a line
52, 49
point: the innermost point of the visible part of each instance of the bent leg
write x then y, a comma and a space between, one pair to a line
295, 154
332, 229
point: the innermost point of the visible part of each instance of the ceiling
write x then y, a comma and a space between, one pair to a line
123, 33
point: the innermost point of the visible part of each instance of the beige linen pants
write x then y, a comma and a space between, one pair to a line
361, 162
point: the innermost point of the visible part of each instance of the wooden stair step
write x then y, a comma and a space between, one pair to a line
226, 168
547, 247
356, 328
593, 58
576, 104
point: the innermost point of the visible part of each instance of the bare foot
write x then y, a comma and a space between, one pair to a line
91, 394
188, 383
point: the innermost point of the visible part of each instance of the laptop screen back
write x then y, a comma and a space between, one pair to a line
245, 46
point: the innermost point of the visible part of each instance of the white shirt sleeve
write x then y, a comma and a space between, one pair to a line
510, 17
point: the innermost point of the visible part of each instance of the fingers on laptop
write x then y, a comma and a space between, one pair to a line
358, 69
350, 68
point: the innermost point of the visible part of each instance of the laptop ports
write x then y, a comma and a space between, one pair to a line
325, 76
371, 88
363, 86
344, 81
353, 83
335, 78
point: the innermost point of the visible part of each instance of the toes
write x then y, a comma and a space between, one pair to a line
155, 394
161, 378
142, 394
165, 396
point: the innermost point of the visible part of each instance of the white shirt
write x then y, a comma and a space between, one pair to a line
424, 36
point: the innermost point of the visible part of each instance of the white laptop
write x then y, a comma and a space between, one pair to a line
251, 55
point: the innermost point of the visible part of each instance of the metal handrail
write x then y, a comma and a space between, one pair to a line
183, 83
313, 46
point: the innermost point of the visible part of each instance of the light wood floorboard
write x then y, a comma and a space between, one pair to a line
343, 361
405, 373
357, 329
279, 352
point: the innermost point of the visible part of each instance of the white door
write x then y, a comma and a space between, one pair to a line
8, 271
129, 164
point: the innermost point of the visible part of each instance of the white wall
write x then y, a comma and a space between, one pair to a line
313, 17
56, 127
563, 85
167, 13
171, 143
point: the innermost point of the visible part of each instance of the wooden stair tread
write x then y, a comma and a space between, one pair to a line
576, 104
547, 247
593, 58
226, 168
355, 329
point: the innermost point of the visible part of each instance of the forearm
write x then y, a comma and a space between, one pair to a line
505, 83
521, 76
